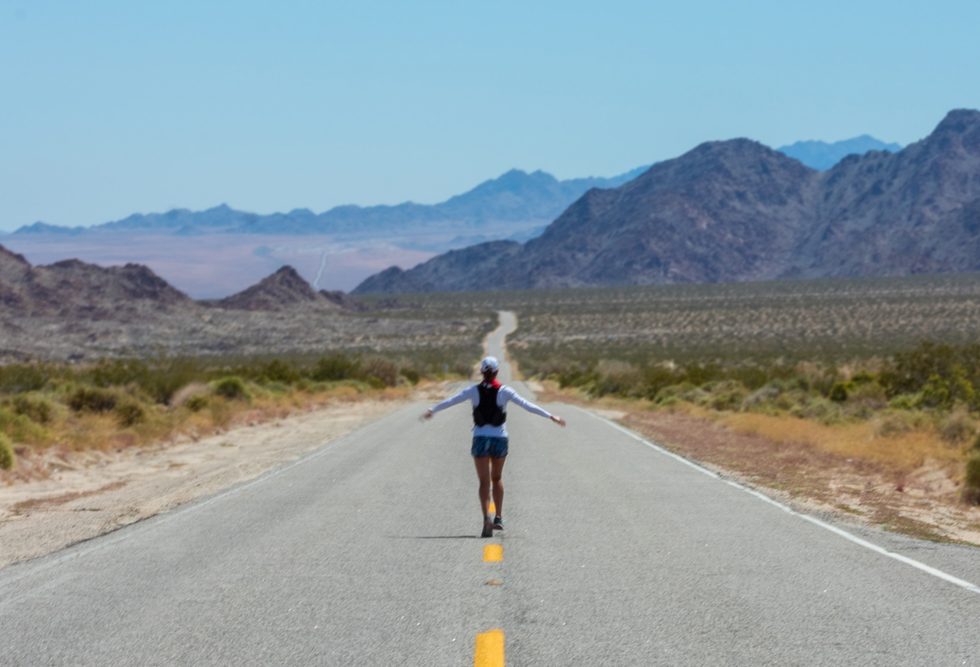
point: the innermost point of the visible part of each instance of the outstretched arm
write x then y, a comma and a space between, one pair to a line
534, 409
466, 394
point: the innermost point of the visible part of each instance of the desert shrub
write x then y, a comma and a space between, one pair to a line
20, 427
130, 413
159, 379
380, 371
279, 371
92, 399
7, 456
573, 375
958, 427
655, 378
335, 367
676, 393
896, 423
231, 387
935, 393
17, 378
196, 403
839, 392
971, 486
943, 373
905, 402
35, 408
411, 375
615, 377
762, 396
820, 409
725, 395
868, 393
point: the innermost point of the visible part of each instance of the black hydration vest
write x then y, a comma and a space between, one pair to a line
487, 412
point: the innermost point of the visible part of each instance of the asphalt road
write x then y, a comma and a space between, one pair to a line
365, 552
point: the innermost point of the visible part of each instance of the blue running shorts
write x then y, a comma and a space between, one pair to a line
489, 445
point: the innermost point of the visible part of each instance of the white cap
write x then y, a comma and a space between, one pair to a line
489, 364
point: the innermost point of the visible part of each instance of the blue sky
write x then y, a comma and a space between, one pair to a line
109, 108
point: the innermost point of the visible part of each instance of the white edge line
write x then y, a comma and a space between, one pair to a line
928, 569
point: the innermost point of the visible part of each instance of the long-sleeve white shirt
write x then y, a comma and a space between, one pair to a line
505, 395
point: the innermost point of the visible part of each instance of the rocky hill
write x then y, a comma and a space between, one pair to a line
737, 210
72, 288
283, 289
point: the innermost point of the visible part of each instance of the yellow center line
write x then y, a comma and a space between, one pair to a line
492, 508
493, 553
489, 650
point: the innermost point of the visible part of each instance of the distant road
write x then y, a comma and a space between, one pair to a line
365, 552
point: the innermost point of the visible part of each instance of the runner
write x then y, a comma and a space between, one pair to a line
489, 399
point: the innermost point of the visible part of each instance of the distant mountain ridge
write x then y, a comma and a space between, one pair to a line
512, 197
736, 210
335, 249
823, 155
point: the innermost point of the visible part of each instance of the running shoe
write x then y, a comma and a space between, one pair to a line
498, 523
487, 527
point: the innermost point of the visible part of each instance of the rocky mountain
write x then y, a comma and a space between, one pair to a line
823, 155
737, 210
72, 288
283, 289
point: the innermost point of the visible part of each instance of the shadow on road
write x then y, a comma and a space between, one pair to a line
434, 537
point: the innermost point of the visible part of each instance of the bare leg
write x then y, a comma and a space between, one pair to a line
496, 470
483, 474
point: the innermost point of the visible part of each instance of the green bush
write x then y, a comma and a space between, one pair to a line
92, 399
905, 402
278, 371
411, 375
231, 387
380, 370
20, 427
35, 408
196, 403
7, 456
335, 367
725, 395
18, 378
971, 486
819, 408
839, 392
130, 413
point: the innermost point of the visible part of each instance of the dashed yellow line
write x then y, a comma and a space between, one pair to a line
492, 508
493, 553
489, 651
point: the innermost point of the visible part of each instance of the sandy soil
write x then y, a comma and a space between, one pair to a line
96, 492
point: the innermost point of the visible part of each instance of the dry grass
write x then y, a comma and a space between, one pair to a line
75, 433
860, 441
